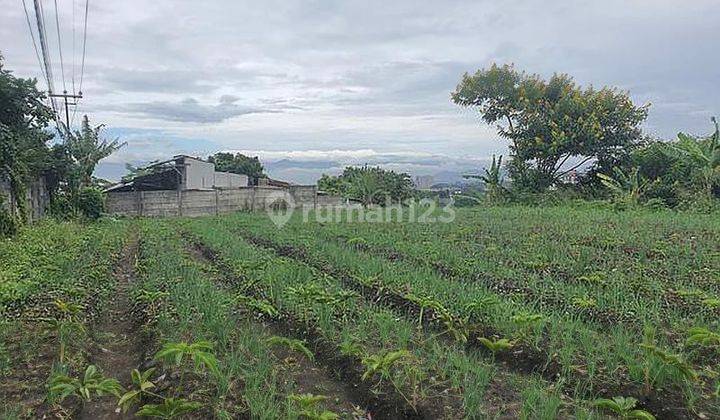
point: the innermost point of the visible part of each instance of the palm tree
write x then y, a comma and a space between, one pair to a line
703, 154
87, 148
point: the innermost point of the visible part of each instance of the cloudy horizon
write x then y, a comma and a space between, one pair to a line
337, 83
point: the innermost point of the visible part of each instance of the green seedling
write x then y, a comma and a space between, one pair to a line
92, 381
624, 407
141, 386
381, 364
292, 344
308, 407
200, 352
496, 346
169, 409
703, 337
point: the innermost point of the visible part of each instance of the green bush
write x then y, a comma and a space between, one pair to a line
8, 223
61, 208
91, 203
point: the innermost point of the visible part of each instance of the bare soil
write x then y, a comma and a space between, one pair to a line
117, 346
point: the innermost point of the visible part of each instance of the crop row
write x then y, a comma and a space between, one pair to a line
438, 378
612, 358
55, 278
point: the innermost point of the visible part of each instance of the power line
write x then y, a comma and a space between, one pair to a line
73, 46
57, 26
82, 65
39, 16
32, 36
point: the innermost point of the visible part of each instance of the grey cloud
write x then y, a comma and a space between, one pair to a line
189, 110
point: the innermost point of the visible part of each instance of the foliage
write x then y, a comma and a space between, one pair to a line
369, 185
23, 140
293, 344
624, 407
703, 337
200, 352
673, 361
626, 188
237, 164
62, 386
381, 363
88, 147
551, 123
308, 407
141, 385
496, 346
492, 179
703, 156
169, 409
91, 203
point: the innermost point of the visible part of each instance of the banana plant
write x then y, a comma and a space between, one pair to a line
261, 306
703, 154
92, 381
200, 352
624, 407
627, 188
292, 344
169, 409
492, 178
496, 346
381, 363
673, 361
308, 407
141, 386
67, 331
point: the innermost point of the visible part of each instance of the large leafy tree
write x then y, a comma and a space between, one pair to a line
554, 126
238, 164
369, 185
23, 119
88, 147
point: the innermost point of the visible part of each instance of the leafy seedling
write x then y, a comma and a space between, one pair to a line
170, 408
292, 344
496, 346
308, 407
62, 386
624, 407
703, 337
200, 352
381, 364
141, 385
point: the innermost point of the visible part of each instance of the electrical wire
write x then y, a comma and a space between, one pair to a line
32, 36
59, 40
82, 65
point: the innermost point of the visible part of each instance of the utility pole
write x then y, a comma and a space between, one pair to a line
65, 96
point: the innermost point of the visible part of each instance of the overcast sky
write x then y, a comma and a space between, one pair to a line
359, 81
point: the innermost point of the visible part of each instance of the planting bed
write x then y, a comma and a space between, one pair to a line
509, 312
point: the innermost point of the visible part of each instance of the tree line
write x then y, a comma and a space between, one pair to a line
555, 128
28, 150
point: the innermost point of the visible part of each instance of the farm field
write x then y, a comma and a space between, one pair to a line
507, 312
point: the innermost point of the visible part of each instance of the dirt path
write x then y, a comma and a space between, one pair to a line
117, 346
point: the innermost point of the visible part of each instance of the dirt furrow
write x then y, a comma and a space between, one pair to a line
117, 344
331, 361
524, 359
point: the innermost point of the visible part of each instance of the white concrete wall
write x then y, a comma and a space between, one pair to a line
204, 203
230, 180
199, 175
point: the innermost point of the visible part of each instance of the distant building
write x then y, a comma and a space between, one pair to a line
424, 182
181, 173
